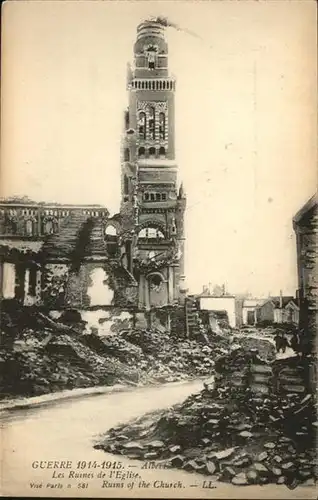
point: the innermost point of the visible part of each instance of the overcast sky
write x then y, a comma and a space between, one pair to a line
246, 120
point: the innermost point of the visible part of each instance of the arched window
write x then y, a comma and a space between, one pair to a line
152, 114
152, 196
155, 282
162, 151
158, 197
142, 125
141, 152
152, 151
162, 126
49, 227
126, 184
151, 233
126, 154
29, 227
111, 230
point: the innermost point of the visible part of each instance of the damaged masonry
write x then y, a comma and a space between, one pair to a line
89, 299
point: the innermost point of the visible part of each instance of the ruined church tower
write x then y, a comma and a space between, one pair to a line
152, 203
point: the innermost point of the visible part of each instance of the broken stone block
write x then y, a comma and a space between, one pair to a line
242, 462
156, 444
210, 467
223, 454
270, 446
213, 421
228, 473
287, 465
260, 468
175, 448
278, 459
192, 465
151, 455
206, 441
240, 479
262, 456
245, 434
132, 445
276, 471
281, 480
251, 476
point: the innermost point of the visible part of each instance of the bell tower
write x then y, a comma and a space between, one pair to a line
152, 204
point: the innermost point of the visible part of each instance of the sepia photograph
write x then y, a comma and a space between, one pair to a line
158, 249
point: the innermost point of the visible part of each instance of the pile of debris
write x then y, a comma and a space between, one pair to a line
47, 355
232, 434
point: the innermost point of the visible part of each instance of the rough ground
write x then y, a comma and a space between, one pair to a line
234, 436
40, 356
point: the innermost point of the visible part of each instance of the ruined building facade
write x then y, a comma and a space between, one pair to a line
151, 221
305, 224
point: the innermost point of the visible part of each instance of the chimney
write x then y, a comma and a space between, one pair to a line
281, 299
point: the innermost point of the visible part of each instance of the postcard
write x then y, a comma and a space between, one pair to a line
158, 249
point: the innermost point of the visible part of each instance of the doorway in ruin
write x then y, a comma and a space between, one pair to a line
98, 291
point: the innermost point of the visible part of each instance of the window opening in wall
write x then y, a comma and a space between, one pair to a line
152, 123
162, 126
126, 185
142, 125
152, 196
141, 152
48, 227
155, 281
152, 151
127, 121
32, 281
158, 197
146, 196
126, 154
164, 196
29, 227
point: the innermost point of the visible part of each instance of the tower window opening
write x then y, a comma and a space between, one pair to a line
153, 85
146, 196
164, 196
151, 64
152, 196
158, 197
142, 85
126, 185
160, 85
162, 129
142, 125
126, 154
29, 227
152, 151
164, 85
162, 151
126, 120
152, 123
141, 152
32, 281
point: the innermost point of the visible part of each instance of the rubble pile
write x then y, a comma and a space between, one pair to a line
231, 434
47, 355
